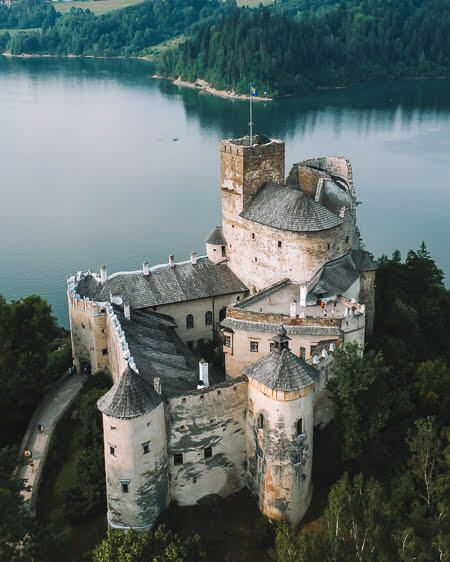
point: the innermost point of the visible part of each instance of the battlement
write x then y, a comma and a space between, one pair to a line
260, 145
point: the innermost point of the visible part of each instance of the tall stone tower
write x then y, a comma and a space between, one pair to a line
280, 431
244, 169
136, 458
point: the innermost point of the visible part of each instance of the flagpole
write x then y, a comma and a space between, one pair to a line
251, 116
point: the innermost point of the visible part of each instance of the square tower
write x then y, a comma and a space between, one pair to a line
244, 168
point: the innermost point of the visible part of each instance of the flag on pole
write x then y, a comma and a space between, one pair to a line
253, 91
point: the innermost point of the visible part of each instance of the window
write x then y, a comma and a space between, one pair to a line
279, 243
190, 345
303, 352
300, 427
104, 351
112, 427
297, 459
125, 484
347, 239
222, 313
178, 459
272, 346
208, 318
256, 259
260, 421
207, 452
328, 245
189, 321
227, 341
112, 450
223, 251
146, 447
194, 480
253, 235
254, 346
83, 326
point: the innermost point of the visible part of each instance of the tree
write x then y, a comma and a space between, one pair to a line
161, 545
360, 394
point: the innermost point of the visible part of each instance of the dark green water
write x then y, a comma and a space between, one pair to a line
90, 174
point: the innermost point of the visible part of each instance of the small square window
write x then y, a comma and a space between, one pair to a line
256, 259
112, 450
112, 427
125, 484
146, 447
178, 459
207, 452
83, 326
227, 341
254, 346
279, 243
104, 351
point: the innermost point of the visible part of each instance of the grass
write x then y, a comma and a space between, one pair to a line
60, 475
164, 46
96, 6
253, 3
16, 31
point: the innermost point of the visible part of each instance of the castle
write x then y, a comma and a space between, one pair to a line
284, 281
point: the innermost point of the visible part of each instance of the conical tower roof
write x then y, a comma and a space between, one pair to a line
131, 396
216, 237
282, 371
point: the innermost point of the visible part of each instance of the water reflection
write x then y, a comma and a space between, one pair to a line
89, 171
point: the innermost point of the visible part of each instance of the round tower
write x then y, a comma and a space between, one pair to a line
280, 431
216, 245
135, 448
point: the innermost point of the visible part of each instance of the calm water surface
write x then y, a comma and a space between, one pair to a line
90, 173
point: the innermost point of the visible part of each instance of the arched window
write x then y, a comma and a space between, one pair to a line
189, 321
222, 314
300, 427
260, 421
208, 318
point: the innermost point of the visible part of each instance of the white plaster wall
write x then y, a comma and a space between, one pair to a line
197, 308
215, 418
284, 490
239, 355
148, 473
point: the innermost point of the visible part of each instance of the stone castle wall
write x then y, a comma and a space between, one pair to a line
216, 418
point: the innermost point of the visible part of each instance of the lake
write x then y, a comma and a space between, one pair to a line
90, 172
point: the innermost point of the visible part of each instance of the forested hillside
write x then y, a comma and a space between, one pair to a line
127, 32
331, 45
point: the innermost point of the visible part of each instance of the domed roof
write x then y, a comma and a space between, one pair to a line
131, 396
216, 237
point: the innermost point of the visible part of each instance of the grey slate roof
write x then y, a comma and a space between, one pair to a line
131, 396
248, 326
337, 276
159, 352
216, 237
282, 371
289, 209
363, 260
164, 285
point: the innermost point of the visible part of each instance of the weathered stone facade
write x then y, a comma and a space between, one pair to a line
284, 282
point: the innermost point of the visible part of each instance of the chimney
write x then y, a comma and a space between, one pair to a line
203, 372
126, 310
194, 258
332, 347
145, 268
103, 274
293, 309
303, 293
171, 260
157, 384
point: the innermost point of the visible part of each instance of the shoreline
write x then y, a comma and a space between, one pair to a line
204, 87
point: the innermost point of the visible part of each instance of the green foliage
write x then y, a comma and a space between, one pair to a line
127, 32
302, 44
26, 14
29, 340
162, 545
90, 496
360, 392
